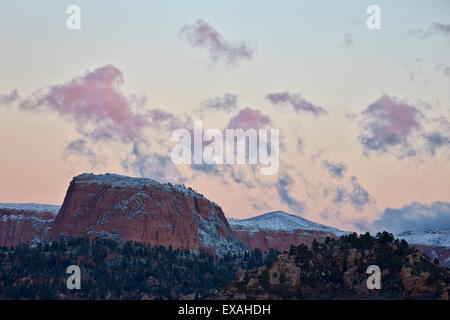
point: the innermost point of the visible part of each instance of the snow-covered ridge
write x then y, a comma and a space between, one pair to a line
117, 180
438, 237
33, 207
23, 217
281, 221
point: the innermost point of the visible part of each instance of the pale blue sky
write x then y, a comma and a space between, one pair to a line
295, 42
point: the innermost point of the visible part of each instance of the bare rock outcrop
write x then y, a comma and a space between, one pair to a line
25, 223
144, 210
279, 230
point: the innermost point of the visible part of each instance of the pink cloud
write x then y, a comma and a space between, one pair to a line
203, 35
249, 118
389, 123
100, 111
94, 102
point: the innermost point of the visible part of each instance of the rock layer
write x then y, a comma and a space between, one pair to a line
25, 223
279, 230
279, 240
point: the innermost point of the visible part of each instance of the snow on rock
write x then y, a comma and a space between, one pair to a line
25, 223
281, 221
31, 207
279, 230
116, 180
144, 210
434, 243
427, 237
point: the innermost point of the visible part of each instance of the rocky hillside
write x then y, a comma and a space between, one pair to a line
143, 210
434, 243
25, 223
279, 230
336, 269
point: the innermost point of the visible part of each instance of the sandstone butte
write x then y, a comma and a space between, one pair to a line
144, 210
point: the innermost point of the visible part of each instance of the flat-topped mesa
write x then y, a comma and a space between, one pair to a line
25, 223
144, 210
279, 230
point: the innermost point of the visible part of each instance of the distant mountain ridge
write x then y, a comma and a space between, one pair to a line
435, 243
281, 221
429, 237
279, 230
34, 207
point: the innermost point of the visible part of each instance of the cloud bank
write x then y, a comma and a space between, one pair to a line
415, 217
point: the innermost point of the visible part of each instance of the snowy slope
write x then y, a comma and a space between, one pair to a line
439, 237
34, 207
116, 180
280, 221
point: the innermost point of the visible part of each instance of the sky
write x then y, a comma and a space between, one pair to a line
363, 114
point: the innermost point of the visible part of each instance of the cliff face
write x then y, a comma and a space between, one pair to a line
278, 239
136, 209
25, 223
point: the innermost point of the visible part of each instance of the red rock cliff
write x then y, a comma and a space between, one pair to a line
25, 223
144, 210
280, 240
